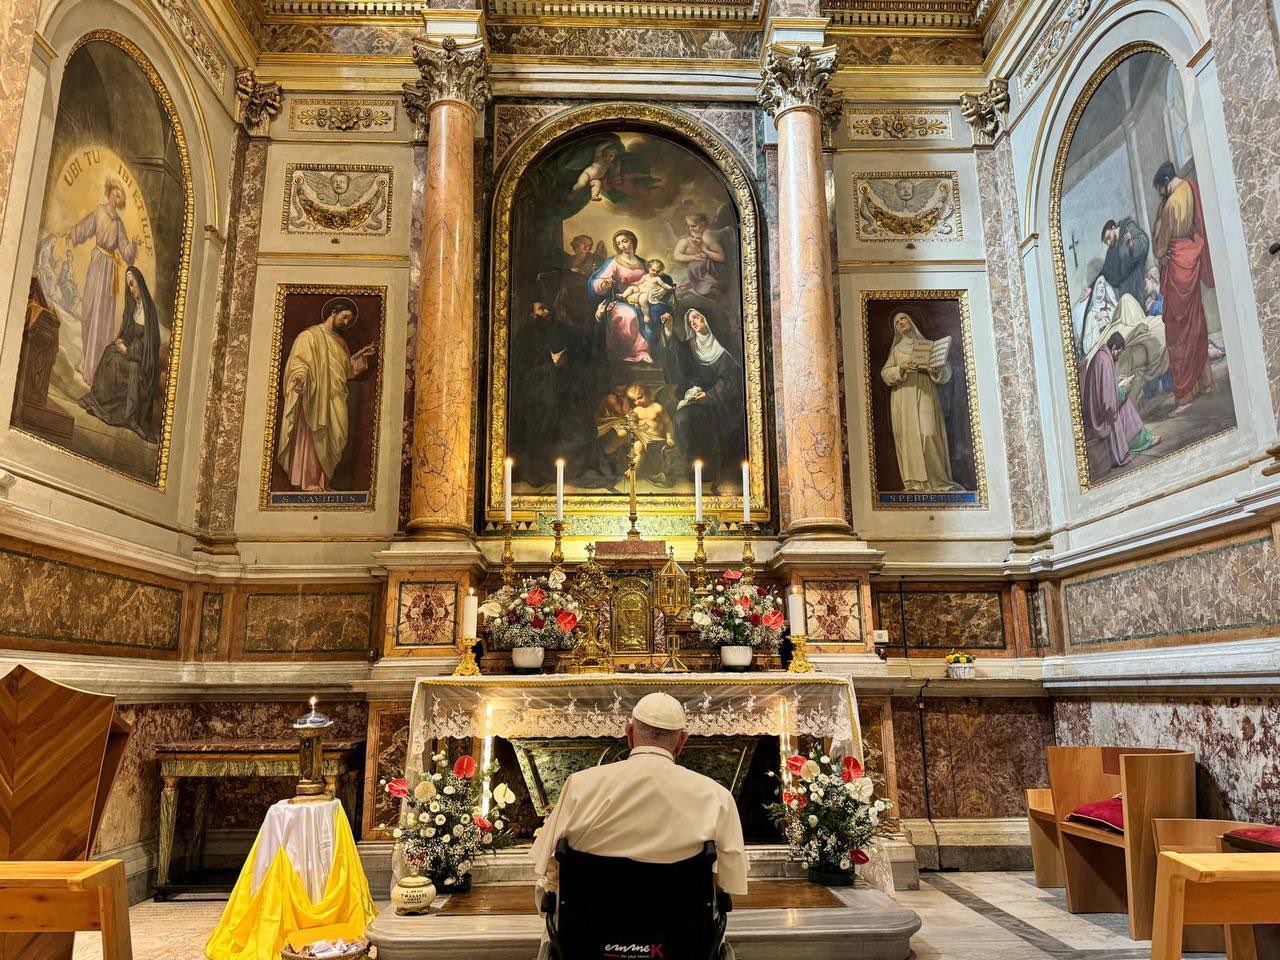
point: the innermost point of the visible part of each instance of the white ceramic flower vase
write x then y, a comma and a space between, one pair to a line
735, 658
412, 894
961, 671
528, 658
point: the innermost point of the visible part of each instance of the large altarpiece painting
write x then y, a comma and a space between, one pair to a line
625, 316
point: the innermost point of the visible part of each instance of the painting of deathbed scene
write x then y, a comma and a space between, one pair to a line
1139, 274
626, 314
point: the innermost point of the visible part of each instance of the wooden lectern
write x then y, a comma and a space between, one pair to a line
60, 749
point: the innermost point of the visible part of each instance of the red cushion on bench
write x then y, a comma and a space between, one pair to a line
1107, 814
1270, 836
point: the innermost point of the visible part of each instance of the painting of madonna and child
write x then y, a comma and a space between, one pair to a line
100, 341
1138, 272
626, 321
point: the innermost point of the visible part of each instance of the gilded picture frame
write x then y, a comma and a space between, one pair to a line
1085, 474
361, 500
968, 499
691, 134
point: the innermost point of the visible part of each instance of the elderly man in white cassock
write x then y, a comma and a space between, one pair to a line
646, 807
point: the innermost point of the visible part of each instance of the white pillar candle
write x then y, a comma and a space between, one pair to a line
470, 606
697, 491
746, 492
506, 490
795, 612
560, 489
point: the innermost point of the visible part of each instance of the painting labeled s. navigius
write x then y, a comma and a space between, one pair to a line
1137, 276
99, 360
628, 330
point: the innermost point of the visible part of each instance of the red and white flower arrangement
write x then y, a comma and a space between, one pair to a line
829, 812
737, 613
536, 613
442, 829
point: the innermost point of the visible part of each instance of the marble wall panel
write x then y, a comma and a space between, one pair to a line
291, 622
775, 310
623, 43
865, 51
17, 26
389, 748
426, 613
942, 619
132, 812
1221, 591
833, 610
210, 636
872, 723
1244, 44
980, 755
417, 208
47, 602
737, 127
1236, 741
341, 39
1015, 359
511, 121
224, 410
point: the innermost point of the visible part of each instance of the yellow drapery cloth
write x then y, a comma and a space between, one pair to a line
256, 924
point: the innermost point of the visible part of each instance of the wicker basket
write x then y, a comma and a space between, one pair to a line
359, 950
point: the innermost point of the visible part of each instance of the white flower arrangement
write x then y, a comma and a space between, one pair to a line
536, 613
735, 613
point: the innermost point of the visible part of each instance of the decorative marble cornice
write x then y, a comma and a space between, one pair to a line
986, 110
934, 14
257, 103
447, 71
732, 11
798, 78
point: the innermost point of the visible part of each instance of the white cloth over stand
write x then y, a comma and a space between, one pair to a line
305, 831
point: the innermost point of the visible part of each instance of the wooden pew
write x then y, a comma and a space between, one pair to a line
60, 749
1107, 872
1233, 889
62, 896
1042, 825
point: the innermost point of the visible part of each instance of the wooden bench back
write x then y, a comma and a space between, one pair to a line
1079, 775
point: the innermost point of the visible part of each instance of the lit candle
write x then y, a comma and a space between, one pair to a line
560, 489
795, 611
313, 703
697, 491
746, 492
506, 490
470, 606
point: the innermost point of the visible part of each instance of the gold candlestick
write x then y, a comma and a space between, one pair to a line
633, 465
700, 558
467, 666
748, 555
508, 557
799, 658
311, 728
557, 553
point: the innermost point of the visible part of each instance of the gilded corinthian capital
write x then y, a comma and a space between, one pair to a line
447, 72
798, 78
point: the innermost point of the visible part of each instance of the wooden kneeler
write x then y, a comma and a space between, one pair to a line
1233, 889
63, 896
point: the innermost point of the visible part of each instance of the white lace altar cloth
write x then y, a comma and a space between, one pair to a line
786, 705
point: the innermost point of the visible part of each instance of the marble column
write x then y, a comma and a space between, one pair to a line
451, 90
17, 30
795, 89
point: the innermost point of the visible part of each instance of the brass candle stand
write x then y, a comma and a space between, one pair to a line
748, 554
508, 557
799, 657
557, 551
467, 666
700, 558
311, 728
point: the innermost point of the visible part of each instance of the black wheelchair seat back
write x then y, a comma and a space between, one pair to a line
612, 908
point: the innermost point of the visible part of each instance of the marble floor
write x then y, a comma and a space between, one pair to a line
966, 916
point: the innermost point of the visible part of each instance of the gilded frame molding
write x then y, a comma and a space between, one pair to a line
723, 158
269, 433
1075, 402
349, 168
952, 177
971, 380
184, 262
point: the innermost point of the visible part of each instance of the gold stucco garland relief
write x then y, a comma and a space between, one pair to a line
520, 157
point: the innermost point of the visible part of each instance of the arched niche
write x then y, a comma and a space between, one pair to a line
657, 171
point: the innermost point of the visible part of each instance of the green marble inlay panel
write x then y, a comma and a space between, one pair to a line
546, 764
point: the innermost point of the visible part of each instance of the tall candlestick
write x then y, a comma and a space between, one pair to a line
560, 489
506, 490
697, 491
470, 607
746, 492
795, 611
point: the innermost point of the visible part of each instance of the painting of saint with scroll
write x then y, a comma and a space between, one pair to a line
626, 321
